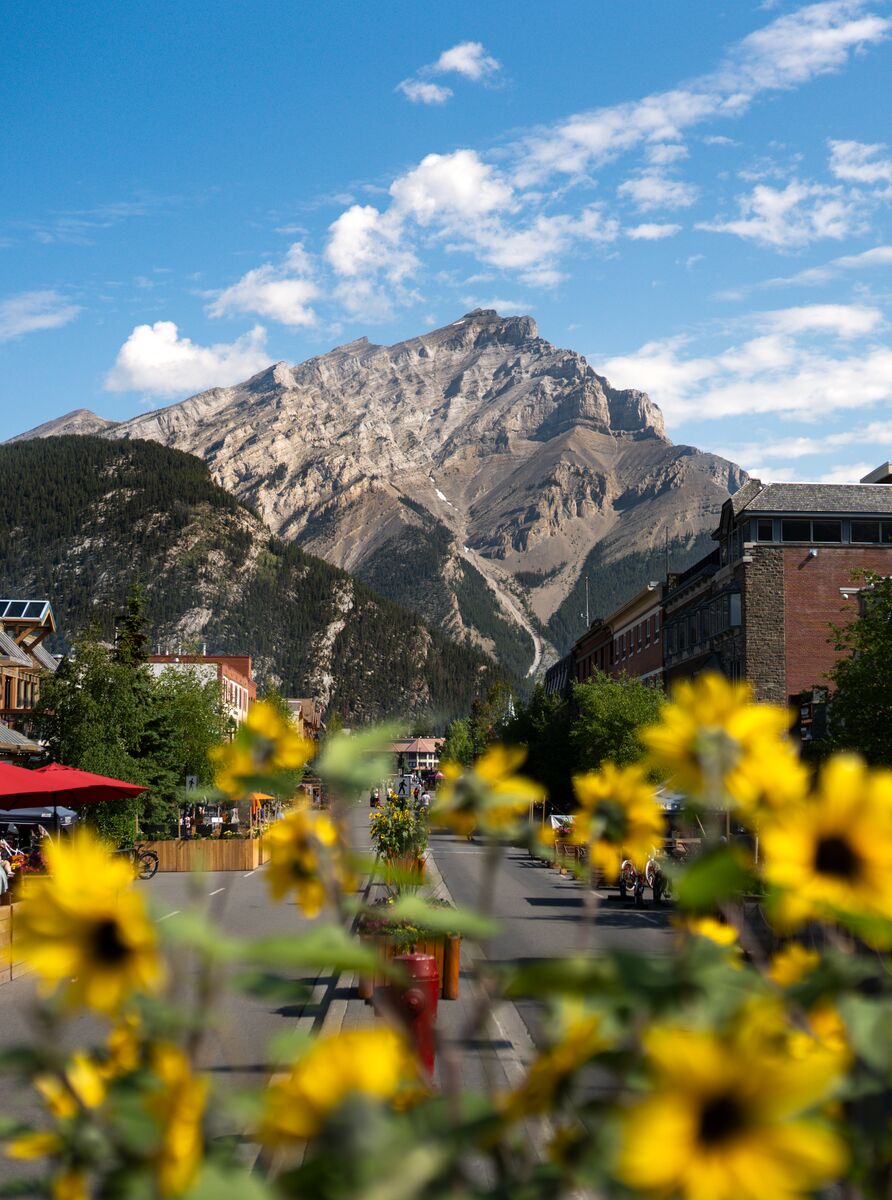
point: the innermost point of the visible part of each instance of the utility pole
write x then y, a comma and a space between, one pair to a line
586, 602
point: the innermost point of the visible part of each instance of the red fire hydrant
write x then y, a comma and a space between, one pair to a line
415, 1003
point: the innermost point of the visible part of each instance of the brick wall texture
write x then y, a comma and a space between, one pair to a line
764, 620
813, 602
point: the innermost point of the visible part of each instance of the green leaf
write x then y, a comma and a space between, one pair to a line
439, 919
720, 874
351, 763
322, 946
869, 1029
216, 1181
268, 985
557, 975
190, 928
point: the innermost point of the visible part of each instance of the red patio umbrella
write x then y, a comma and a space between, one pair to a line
83, 787
20, 788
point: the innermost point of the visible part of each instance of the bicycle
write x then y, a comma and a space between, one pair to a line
144, 862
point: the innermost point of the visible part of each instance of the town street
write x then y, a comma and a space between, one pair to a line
540, 913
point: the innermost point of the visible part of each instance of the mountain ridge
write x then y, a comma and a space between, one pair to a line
513, 455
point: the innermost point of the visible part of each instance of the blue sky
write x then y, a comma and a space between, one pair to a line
693, 194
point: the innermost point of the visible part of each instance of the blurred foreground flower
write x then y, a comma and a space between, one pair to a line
711, 928
717, 743
487, 796
266, 744
725, 1119
789, 965
304, 849
177, 1103
619, 817
830, 856
581, 1038
376, 1063
85, 927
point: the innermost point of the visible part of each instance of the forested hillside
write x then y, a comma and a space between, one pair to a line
82, 517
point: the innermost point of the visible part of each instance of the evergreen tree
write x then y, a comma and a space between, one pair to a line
543, 726
132, 630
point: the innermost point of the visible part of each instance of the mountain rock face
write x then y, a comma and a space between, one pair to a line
107, 513
469, 472
80, 421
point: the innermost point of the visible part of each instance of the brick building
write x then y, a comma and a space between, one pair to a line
232, 672
760, 606
786, 568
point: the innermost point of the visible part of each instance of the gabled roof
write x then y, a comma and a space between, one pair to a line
12, 742
851, 498
12, 653
36, 612
44, 657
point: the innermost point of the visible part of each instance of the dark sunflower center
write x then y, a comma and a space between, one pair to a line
722, 1117
834, 856
108, 945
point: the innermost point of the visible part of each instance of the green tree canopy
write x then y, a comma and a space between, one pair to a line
861, 707
457, 747
610, 713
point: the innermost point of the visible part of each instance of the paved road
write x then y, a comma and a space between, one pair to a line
541, 914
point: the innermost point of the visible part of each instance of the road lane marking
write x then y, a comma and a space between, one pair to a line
171, 914
248, 875
217, 892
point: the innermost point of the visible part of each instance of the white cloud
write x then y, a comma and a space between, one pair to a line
847, 473
651, 233
29, 312
844, 320
718, 139
364, 240
663, 153
792, 216
534, 249
789, 371
789, 51
156, 359
450, 187
654, 189
421, 91
857, 162
468, 59
281, 293
877, 256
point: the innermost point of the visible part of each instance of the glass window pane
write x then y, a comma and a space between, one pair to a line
765, 531
16, 608
887, 531
827, 531
866, 531
796, 531
34, 609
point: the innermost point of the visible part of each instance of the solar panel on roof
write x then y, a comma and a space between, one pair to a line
35, 608
16, 608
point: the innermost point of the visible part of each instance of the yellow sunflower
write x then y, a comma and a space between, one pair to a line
374, 1062
713, 929
716, 743
790, 964
488, 796
266, 744
619, 817
88, 929
303, 846
830, 855
581, 1038
177, 1103
727, 1119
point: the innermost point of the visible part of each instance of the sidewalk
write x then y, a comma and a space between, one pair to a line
492, 1058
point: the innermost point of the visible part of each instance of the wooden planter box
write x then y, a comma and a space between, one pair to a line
11, 966
210, 854
446, 950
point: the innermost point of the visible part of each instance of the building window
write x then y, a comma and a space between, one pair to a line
866, 531
734, 610
827, 531
765, 531
795, 531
